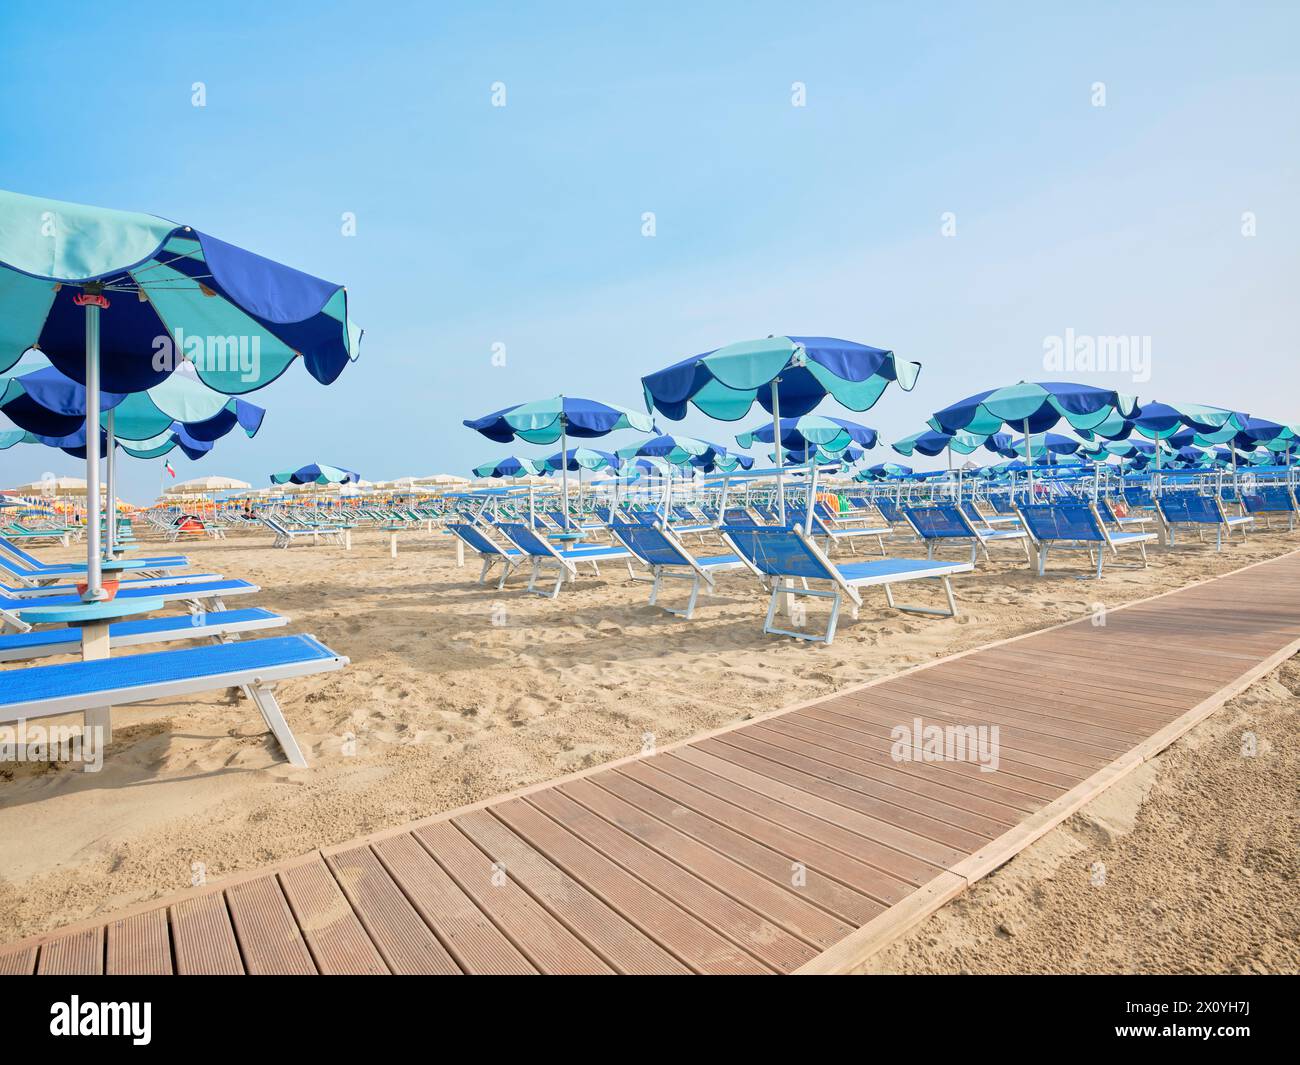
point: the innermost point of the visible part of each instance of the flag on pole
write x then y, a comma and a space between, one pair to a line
167, 465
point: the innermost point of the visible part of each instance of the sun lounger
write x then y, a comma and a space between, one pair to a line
1077, 526
43, 591
220, 624
829, 529
1124, 522
1192, 508
945, 521
254, 665
1267, 500
53, 535
286, 535
667, 557
566, 562
779, 554
15, 560
478, 541
196, 595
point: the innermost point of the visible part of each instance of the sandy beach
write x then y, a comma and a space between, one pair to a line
457, 693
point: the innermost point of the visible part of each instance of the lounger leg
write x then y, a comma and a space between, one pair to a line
487, 565
835, 617
1042, 558
654, 588
264, 697
880, 542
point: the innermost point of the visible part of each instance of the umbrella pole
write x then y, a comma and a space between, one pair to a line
1029, 461
564, 466
776, 436
110, 486
94, 575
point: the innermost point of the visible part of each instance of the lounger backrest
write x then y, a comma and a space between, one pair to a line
1269, 498
525, 539
891, 511
475, 539
938, 522
968, 508
1138, 497
738, 516
777, 552
649, 543
1190, 507
1061, 521
20, 554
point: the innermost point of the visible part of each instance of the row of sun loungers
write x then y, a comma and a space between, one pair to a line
224, 659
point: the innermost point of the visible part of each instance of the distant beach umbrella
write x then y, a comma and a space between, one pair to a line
812, 431
316, 473
511, 466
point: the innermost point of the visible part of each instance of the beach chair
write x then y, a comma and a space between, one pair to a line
1268, 500
28, 569
667, 557
945, 521
285, 535
777, 554
1192, 508
1077, 526
1122, 522
60, 535
566, 562
256, 666
39, 593
478, 541
834, 534
219, 625
197, 596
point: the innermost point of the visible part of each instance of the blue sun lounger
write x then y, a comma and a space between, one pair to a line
27, 568
1077, 526
667, 557
478, 541
945, 521
777, 554
1267, 500
220, 624
196, 595
828, 527
1124, 523
566, 562
254, 665
1192, 508
44, 591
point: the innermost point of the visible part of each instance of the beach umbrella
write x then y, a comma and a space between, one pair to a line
780, 373
511, 466
318, 474
1042, 444
207, 484
547, 420
676, 450
847, 457
932, 442
883, 470
812, 432
117, 300
1034, 407
577, 459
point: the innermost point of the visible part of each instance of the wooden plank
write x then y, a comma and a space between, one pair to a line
690, 939
20, 962
77, 954
470, 937
140, 945
335, 936
543, 940
400, 935
775, 903
637, 785
623, 946
203, 941
744, 927
267, 931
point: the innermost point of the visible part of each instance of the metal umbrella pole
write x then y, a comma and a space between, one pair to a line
110, 485
776, 435
93, 300
564, 461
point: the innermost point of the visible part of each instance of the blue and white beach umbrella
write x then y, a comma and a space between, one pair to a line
316, 473
511, 466
117, 300
814, 432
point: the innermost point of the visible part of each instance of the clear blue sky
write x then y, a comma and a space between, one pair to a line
522, 225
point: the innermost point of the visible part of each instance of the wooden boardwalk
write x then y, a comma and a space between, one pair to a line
793, 843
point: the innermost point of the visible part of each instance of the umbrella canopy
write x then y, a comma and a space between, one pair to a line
75, 443
159, 281
792, 373
315, 473
1158, 421
812, 431
848, 456
579, 458
676, 450
881, 470
933, 442
1042, 444
511, 466
207, 484
1034, 407
548, 420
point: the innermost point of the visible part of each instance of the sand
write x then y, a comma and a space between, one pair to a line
457, 693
